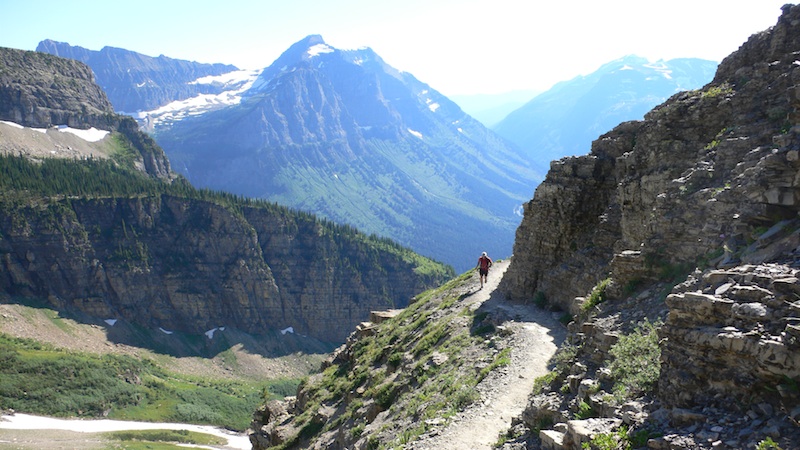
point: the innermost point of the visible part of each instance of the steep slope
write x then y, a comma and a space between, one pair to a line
101, 237
564, 120
136, 82
421, 378
344, 135
673, 248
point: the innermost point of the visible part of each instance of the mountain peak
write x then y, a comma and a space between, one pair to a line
311, 40
305, 49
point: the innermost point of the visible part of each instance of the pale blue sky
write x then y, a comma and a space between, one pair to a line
457, 46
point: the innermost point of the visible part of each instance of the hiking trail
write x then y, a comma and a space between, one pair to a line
535, 336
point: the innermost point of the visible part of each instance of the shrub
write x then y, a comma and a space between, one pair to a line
768, 444
597, 296
609, 441
636, 366
585, 411
543, 381
464, 397
540, 300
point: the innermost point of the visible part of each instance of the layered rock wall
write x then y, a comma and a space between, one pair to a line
744, 323
190, 265
40, 91
695, 177
705, 189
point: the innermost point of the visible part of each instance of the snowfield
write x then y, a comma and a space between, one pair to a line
19, 421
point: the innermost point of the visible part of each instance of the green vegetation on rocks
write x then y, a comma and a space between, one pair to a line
417, 368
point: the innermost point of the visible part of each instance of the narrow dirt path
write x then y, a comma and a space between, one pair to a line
535, 336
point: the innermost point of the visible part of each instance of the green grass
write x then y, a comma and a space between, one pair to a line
396, 369
161, 439
41, 379
503, 358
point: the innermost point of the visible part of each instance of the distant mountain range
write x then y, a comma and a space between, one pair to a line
344, 135
135, 82
564, 120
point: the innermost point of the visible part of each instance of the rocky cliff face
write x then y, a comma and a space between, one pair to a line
706, 185
39, 90
701, 171
190, 265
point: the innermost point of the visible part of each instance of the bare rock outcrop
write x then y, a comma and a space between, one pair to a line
688, 220
41, 91
700, 172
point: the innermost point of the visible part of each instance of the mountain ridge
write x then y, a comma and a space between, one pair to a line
146, 82
564, 120
343, 134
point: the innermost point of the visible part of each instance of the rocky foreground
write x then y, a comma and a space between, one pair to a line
706, 186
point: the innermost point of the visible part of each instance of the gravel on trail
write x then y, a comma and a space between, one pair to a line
535, 334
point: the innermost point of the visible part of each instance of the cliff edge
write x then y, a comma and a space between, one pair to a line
683, 227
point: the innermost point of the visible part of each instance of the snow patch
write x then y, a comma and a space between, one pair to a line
415, 133
226, 79
318, 49
235, 84
19, 421
164, 331
90, 135
12, 124
433, 106
288, 330
210, 333
111, 322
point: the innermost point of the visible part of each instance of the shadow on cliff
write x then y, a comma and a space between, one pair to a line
271, 344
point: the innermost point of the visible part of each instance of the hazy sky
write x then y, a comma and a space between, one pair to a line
456, 46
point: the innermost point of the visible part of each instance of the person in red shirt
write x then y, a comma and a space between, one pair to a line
484, 262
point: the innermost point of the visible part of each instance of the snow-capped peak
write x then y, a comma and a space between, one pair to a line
318, 49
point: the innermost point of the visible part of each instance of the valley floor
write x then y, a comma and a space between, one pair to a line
535, 334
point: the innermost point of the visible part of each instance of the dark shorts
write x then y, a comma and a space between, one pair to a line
483, 271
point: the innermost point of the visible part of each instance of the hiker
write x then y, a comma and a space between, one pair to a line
484, 262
